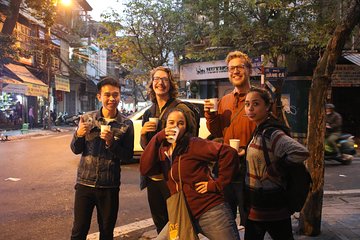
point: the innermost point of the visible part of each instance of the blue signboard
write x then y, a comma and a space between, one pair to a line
275, 73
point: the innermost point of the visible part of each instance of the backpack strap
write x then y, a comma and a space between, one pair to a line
173, 104
266, 133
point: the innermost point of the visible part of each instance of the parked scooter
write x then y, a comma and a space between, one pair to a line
60, 119
74, 119
346, 147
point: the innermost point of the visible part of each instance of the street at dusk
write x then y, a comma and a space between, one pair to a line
258, 99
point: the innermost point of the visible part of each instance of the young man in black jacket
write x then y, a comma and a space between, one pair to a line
103, 138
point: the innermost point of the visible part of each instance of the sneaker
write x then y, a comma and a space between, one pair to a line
241, 228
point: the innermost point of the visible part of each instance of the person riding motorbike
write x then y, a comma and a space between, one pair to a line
333, 127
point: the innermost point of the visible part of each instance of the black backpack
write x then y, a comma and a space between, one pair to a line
297, 177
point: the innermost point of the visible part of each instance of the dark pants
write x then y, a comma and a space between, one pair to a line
158, 192
31, 122
234, 195
106, 201
278, 230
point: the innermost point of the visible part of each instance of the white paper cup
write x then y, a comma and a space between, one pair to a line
235, 143
105, 127
215, 102
172, 139
155, 120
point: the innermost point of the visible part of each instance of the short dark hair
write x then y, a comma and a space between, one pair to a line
107, 81
173, 91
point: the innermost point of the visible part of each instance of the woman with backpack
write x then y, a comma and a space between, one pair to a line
163, 91
268, 152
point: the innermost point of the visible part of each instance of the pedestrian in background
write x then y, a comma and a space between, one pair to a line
103, 138
333, 127
230, 122
265, 198
163, 91
31, 117
203, 194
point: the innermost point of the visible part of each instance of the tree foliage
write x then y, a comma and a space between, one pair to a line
147, 35
270, 27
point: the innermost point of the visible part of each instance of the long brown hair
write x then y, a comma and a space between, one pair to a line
173, 91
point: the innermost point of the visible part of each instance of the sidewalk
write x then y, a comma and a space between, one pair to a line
340, 220
16, 134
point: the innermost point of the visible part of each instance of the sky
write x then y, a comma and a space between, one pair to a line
99, 6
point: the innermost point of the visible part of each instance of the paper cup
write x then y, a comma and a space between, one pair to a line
215, 102
172, 139
235, 143
155, 120
105, 127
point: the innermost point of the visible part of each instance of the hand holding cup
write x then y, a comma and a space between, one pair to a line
106, 134
171, 134
150, 126
211, 105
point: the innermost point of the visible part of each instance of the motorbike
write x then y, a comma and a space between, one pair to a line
74, 119
346, 146
60, 119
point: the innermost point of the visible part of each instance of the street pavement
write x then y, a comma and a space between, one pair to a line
340, 213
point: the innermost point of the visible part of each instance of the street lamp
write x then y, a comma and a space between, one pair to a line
47, 67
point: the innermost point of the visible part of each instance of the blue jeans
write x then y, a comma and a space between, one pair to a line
106, 201
216, 224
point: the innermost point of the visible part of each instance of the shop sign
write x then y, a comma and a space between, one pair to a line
62, 83
346, 75
203, 70
36, 90
14, 88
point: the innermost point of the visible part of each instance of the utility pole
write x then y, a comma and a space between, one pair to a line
48, 69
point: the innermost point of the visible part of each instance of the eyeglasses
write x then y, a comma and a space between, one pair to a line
163, 79
239, 68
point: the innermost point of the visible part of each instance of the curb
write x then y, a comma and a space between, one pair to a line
14, 135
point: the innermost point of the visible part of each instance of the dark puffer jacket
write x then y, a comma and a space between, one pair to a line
100, 165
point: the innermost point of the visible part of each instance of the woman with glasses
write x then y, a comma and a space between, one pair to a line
163, 91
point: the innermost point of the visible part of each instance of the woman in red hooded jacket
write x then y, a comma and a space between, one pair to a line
204, 194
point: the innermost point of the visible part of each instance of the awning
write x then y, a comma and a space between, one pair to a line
353, 57
35, 87
10, 85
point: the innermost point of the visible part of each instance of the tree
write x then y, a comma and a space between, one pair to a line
151, 31
311, 213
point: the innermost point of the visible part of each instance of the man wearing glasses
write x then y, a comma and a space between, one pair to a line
230, 122
163, 91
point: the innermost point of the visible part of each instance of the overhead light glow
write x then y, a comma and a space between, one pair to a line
66, 2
